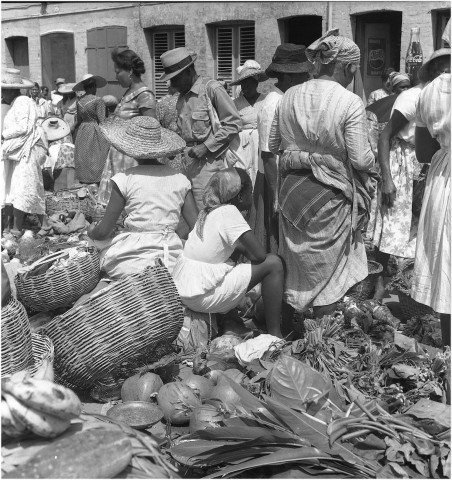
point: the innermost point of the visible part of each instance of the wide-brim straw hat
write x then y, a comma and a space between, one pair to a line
250, 70
55, 128
423, 73
11, 79
100, 82
65, 88
176, 60
142, 137
289, 58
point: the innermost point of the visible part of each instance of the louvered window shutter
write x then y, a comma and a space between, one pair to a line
225, 58
247, 44
164, 41
161, 45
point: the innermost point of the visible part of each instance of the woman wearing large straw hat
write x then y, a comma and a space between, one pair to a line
23, 153
137, 100
248, 104
153, 195
91, 147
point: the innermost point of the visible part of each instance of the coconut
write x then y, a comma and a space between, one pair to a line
177, 401
140, 387
200, 385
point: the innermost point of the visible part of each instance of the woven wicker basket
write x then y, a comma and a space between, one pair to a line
17, 349
410, 308
118, 324
362, 290
67, 199
42, 350
61, 288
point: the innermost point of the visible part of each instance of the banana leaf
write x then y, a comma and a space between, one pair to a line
315, 432
296, 384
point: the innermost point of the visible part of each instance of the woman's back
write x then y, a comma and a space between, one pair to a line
316, 113
154, 195
88, 108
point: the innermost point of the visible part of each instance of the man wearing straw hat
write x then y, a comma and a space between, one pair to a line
207, 118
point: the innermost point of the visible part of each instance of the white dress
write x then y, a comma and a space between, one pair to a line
248, 152
432, 269
154, 195
23, 156
206, 281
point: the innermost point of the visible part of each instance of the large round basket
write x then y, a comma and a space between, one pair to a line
50, 290
410, 308
121, 323
68, 200
17, 349
362, 290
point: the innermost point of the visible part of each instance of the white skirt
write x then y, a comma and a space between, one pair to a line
211, 288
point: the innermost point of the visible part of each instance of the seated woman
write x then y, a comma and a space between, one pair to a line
207, 282
152, 194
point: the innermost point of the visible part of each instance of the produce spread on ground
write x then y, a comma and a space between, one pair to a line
358, 394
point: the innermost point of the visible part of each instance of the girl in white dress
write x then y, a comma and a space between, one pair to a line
153, 195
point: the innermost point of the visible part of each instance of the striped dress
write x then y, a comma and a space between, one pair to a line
432, 269
91, 147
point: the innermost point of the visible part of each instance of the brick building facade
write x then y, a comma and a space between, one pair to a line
50, 39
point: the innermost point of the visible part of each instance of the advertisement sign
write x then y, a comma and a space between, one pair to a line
376, 58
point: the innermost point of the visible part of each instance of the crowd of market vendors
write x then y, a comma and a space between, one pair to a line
278, 189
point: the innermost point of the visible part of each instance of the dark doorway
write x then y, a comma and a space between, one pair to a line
58, 58
301, 30
378, 35
18, 50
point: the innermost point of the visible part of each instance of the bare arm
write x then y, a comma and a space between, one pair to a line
190, 210
249, 245
388, 189
426, 145
103, 229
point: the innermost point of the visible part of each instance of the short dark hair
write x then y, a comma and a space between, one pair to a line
36, 84
89, 84
45, 86
128, 60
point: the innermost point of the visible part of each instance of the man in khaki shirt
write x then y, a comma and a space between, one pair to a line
206, 142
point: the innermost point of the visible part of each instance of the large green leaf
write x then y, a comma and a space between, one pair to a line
315, 432
307, 455
296, 384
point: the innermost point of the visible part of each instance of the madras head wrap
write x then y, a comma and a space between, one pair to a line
333, 47
222, 187
397, 77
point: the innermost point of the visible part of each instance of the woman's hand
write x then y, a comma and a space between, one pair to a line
388, 192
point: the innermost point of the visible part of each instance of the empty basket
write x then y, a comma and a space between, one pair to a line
119, 323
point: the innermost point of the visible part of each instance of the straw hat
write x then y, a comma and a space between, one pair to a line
65, 88
100, 82
11, 79
289, 58
55, 128
250, 69
141, 137
423, 73
176, 60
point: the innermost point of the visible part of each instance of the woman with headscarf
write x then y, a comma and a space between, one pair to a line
137, 100
205, 277
395, 223
385, 89
248, 104
432, 268
91, 147
323, 196
24, 149
149, 228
